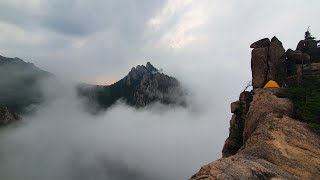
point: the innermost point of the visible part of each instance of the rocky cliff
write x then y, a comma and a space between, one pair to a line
267, 138
143, 85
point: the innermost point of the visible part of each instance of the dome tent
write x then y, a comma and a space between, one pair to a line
271, 84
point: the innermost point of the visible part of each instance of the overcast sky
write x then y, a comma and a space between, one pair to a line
99, 41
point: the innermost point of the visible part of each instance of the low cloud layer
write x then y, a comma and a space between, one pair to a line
62, 141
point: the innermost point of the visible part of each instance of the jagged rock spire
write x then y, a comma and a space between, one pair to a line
268, 62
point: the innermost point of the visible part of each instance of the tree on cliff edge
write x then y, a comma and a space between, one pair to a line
307, 34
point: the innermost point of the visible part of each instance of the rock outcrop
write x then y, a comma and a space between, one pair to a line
298, 57
277, 62
264, 103
268, 62
142, 86
260, 43
266, 141
275, 146
310, 46
259, 66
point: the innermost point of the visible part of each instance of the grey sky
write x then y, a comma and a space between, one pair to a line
99, 41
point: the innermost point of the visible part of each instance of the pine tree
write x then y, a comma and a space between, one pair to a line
307, 34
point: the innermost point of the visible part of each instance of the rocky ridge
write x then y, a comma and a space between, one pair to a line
143, 85
266, 140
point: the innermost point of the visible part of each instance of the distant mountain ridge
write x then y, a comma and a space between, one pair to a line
20, 84
20, 87
6, 63
142, 86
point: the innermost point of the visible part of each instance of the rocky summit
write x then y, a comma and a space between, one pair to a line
274, 132
142, 86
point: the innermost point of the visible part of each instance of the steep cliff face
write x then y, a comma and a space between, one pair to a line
266, 140
237, 123
275, 145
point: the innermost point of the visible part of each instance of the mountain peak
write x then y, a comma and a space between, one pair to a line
150, 67
142, 86
140, 70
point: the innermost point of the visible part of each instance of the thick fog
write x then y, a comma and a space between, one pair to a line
62, 141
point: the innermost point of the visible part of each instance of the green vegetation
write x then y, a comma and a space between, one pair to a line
304, 92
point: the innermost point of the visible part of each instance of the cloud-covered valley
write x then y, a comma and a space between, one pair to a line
63, 141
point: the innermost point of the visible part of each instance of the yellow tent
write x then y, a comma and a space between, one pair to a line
271, 84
